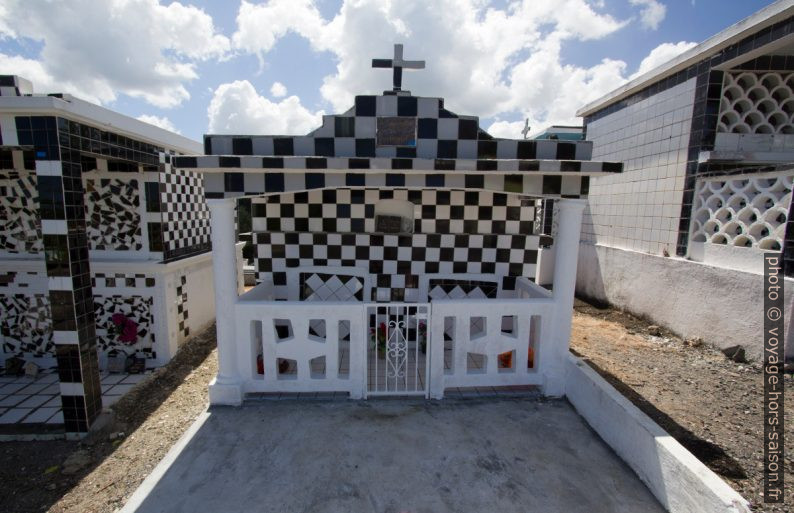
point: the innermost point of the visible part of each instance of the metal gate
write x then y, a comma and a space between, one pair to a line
398, 348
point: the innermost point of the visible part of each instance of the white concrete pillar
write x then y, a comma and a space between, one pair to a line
569, 227
226, 388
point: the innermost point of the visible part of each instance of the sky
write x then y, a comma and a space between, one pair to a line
276, 66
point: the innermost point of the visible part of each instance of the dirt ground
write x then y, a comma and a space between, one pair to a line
99, 473
710, 404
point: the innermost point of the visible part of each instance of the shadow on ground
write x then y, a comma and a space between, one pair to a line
31, 473
710, 454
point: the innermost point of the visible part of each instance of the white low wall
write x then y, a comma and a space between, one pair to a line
678, 480
722, 306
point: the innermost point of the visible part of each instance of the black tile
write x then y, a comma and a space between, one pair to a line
427, 128
315, 180
467, 129
566, 151
365, 106
365, 147
324, 146
233, 182
486, 149
552, 184
283, 146
274, 182
242, 146
395, 179
229, 162
344, 126
316, 163
406, 106
447, 149
526, 150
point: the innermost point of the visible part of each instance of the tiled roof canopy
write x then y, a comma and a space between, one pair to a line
394, 140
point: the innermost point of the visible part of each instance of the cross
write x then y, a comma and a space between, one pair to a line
525, 131
398, 64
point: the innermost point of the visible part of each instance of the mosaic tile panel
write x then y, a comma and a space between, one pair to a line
20, 224
113, 221
137, 308
25, 324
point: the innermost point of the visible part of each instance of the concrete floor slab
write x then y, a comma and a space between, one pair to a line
494, 454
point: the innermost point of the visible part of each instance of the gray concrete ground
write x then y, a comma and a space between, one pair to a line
483, 455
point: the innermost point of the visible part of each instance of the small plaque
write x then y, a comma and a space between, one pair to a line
396, 131
392, 224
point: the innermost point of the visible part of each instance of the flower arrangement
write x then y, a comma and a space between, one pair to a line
126, 329
378, 338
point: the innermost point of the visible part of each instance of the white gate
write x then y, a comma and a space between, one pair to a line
398, 348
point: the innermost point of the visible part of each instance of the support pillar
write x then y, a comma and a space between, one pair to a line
226, 388
569, 227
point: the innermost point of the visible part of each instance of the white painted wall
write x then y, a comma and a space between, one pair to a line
675, 476
723, 306
639, 208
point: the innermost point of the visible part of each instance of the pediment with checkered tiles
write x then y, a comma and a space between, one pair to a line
400, 127
393, 139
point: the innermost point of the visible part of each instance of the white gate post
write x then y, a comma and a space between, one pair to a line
569, 228
226, 388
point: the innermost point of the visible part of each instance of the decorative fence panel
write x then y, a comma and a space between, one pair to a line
301, 347
490, 343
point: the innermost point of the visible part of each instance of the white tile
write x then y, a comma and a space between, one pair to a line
34, 401
40, 415
12, 400
56, 419
14, 415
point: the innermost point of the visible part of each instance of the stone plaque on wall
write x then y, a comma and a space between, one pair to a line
396, 131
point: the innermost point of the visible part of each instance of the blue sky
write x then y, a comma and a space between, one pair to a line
210, 66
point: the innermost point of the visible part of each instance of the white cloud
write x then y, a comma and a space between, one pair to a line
278, 90
508, 129
162, 122
483, 60
236, 108
98, 50
652, 12
661, 54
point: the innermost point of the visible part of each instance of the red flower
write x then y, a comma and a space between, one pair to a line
129, 334
118, 319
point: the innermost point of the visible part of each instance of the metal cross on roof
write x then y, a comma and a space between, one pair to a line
525, 131
398, 64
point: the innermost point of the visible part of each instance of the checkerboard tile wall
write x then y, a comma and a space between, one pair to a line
435, 211
549, 179
186, 218
181, 307
397, 261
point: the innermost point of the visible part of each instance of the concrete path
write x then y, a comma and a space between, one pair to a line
475, 455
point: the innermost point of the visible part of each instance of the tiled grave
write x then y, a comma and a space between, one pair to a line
33, 405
